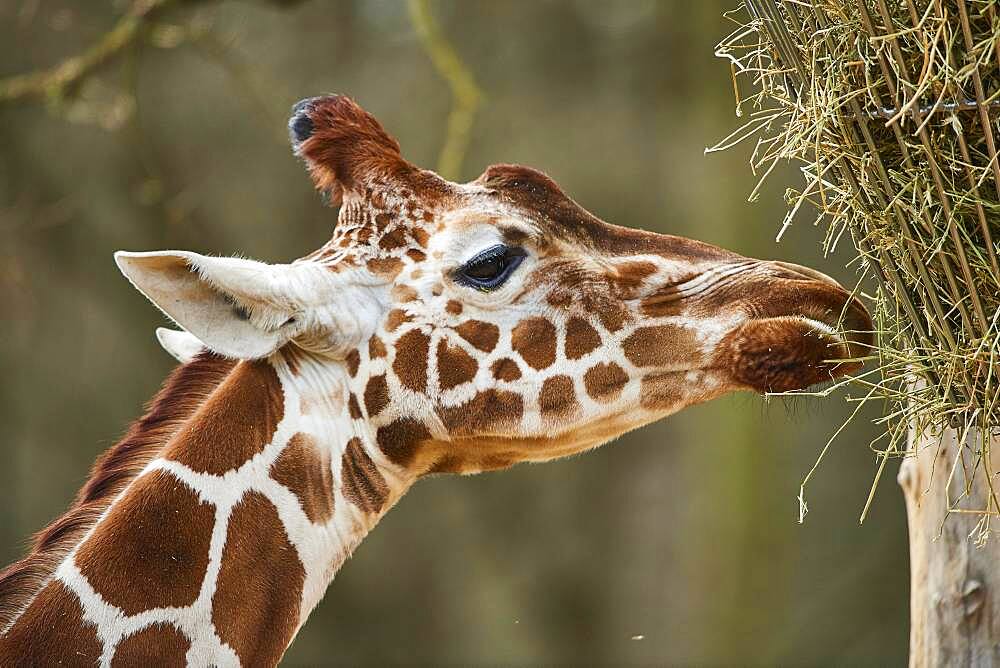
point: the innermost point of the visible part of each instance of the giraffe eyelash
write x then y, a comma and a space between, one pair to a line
490, 269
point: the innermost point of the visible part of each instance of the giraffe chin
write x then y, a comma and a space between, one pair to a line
788, 353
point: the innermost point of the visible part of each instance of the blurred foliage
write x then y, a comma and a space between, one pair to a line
684, 532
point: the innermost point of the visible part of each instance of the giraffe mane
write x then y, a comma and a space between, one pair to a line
184, 390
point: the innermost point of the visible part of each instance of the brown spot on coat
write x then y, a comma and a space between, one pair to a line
51, 632
514, 236
385, 267
558, 397
664, 391
534, 340
455, 366
610, 311
396, 318
362, 482
663, 346
376, 395
304, 468
416, 255
376, 348
628, 276
353, 360
155, 645
482, 335
605, 381
400, 439
581, 338
664, 302
410, 365
395, 238
151, 551
420, 235
259, 585
505, 369
559, 298
353, 408
489, 412
453, 307
613, 317
235, 422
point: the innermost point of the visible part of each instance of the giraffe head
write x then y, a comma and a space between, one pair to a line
497, 321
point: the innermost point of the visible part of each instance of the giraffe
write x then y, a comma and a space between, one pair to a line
444, 328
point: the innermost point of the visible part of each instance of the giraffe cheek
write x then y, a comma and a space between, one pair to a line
663, 348
455, 366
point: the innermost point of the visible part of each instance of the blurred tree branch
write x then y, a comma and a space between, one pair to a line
55, 83
465, 93
58, 82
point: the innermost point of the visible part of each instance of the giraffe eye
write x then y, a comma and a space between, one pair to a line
489, 269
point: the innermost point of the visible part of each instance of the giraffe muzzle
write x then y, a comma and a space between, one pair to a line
803, 328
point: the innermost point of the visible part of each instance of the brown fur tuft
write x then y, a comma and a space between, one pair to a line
347, 150
347, 143
183, 391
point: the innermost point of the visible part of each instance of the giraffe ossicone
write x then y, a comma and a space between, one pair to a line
444, 327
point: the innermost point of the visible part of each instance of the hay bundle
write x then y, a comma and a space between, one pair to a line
892, 108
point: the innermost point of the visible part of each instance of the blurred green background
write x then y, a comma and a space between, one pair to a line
684, 533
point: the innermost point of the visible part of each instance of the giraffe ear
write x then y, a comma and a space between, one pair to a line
182, 346
343, 145
237, 308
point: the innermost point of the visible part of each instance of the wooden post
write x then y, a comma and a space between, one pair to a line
954, 582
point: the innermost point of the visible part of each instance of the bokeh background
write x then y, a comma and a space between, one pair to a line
678, 544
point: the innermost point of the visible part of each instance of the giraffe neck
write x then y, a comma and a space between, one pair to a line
223, 544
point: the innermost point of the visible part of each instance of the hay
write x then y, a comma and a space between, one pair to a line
891, 109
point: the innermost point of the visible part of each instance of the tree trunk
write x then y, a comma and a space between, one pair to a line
954, 582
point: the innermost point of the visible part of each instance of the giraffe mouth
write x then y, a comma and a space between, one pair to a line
850, 325
804, 329
789, 353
